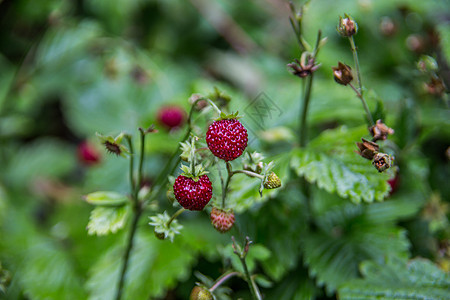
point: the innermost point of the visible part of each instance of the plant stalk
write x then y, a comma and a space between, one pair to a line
222, 279
355, 59
126, 257
175, 215
364, 103
304, 113
137, 209
251, 283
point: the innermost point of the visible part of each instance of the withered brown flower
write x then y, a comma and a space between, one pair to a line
382, 161
367, 149
342, 74
303, 67
380, 131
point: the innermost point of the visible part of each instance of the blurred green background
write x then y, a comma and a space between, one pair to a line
69, 69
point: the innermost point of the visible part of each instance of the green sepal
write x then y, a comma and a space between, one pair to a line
103, 198
224, 116
198, 171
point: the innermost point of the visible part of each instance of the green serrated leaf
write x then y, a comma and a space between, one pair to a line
330, 162
106, 198
349, 234
398, 278
104, 220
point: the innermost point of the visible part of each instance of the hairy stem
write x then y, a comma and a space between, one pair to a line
355, 59
307, 97
227, 182
222, 279
131, 168
304, 113
249, 173
364, 103
141, 161
175, 215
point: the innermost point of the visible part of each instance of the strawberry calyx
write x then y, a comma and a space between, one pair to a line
224, 116
195, 174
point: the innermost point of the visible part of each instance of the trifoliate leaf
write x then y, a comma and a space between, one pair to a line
105, 220
106, 199
330, 162
398, 279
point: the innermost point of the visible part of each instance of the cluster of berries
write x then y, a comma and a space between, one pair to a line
227, 140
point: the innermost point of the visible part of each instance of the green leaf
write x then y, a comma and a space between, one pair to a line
349, 234
104, 220
398, 279
330, 162
32, 256
155, 265
106, 199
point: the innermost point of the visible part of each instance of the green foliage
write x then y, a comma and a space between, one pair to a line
330, 162
348, 234
256, 253
155, 265
33, 256
104, 220
396, 278
106, 199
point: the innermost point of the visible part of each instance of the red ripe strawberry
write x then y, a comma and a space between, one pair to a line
192, 195
171, 116
227, 139
222, 220
87, 154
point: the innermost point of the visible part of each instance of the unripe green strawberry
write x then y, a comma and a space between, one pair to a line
200, 293
222, 220
272, 181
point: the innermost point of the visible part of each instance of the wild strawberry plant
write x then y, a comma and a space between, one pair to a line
316, 189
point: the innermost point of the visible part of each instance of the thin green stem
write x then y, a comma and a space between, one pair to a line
249, 173
222, 279
227, 182
304, 113
175, 215
214, 106
251, 283
141, 160
131, 169
355, 59
127, 253
307, 97
364, 103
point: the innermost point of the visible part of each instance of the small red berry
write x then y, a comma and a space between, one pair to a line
171, 116
192, 195
87, 154
227, 139
222, 220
